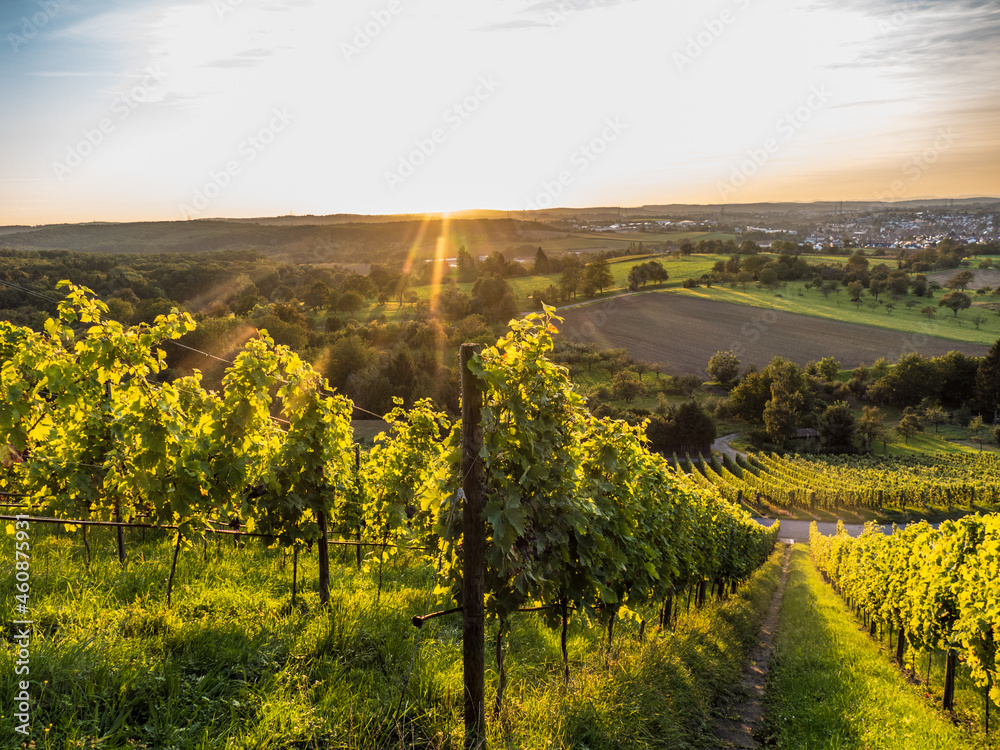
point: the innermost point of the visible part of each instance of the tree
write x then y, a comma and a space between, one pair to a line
936, 415
955, 301
854, 290
641, 367
909, 425
572, 276
695, 427
912, 379
929, 311
350, 302
978, 319
976, 427
960, 280
768, 278
318, 295
684, 429
749, 398
871, 426
837, 428
542, 263
876, 286
597, 274
453, 302
828, 368
466, 265
626, 385
493, 298
724, 367
898, 282
988, 382
780, 419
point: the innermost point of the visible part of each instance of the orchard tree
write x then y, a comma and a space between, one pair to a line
871, 426
976, 427
837, 428
988, 382
960, 280
724, 367
955, 301
936, 416
572, 276
909, 425
597, 274
627, 386
828, 368
854, 290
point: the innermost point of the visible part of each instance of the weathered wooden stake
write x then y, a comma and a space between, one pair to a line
949, 680
474, 549
357, 470
324, 560
173, 568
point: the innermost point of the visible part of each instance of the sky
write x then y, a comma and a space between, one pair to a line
130, 110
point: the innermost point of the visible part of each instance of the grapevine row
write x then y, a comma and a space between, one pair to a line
936, 588
581, 516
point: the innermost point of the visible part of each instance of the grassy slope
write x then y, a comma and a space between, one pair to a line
830, 687
794, 298
235, 665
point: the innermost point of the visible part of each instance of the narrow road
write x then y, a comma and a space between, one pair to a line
721, 445
743, 719
798, 531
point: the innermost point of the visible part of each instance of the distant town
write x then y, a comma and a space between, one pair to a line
888, 228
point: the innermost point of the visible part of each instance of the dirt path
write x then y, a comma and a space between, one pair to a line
743, 718
721, 445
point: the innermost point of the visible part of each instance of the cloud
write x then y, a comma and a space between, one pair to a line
550, 13
244, 59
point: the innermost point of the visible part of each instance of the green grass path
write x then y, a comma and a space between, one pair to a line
831, 687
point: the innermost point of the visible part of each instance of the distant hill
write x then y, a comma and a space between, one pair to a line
316, 243
351, 238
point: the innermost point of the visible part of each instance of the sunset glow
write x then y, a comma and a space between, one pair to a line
155, 110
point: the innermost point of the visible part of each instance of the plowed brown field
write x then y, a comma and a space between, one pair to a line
682, 333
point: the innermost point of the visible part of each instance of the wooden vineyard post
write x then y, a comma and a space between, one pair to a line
474, 548
324, 560
120, 533
357, 473
949, 680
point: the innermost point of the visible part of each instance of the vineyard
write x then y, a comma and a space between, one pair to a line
854, 482
934, 590
581, 520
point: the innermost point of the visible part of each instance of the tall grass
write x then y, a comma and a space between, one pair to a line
830, 686
236, 664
